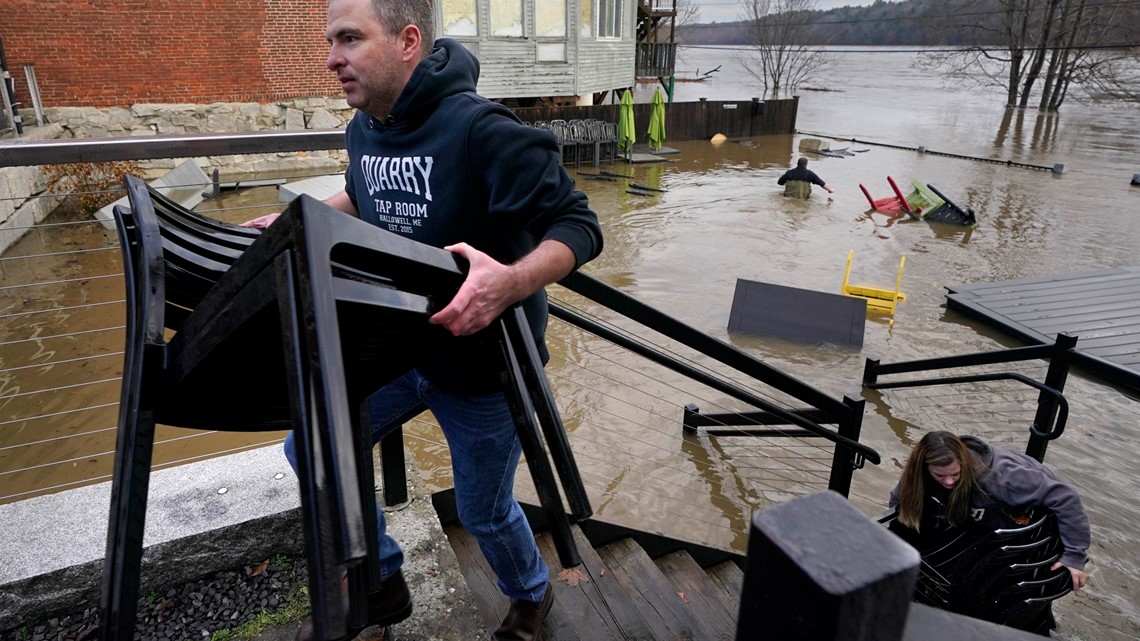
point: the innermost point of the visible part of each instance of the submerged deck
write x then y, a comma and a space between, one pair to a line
1101, 308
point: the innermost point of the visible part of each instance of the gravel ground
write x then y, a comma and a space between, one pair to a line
202, 609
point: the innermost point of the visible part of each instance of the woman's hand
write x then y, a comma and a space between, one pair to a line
1080, 579
261, 222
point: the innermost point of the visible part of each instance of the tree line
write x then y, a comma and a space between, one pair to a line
910, 23
1035, 50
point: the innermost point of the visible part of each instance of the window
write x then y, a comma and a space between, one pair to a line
550, 18
507, 18
459, 18
609, 18
586, 20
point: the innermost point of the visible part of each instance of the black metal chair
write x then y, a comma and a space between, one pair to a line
294, 328
1001, 575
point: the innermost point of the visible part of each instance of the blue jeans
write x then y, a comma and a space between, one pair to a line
485, 453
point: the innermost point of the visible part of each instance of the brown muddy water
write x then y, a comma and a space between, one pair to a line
720, 217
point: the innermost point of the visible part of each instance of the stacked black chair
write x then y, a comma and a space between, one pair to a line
294, 328
1001, 575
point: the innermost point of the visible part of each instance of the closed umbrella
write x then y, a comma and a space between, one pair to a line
626, 131
657, 121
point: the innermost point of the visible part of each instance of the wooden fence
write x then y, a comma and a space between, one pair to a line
689, 120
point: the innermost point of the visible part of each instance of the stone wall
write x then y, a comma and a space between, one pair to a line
23, 204
165, 119
26, 186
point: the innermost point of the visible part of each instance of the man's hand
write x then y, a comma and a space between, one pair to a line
261, 222
1080, 579
490, 287
339, 200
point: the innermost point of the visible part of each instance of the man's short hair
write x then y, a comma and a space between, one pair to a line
802, 162
397, 14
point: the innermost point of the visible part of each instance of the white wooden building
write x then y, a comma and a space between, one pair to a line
563, 49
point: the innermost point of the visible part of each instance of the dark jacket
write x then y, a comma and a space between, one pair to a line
449, 166
800, 173
1014, 479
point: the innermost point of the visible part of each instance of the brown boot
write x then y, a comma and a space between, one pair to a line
524, 619
389, 605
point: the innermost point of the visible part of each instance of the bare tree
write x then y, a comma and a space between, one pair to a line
1044, 46
782, 59
688, 13
1120, 79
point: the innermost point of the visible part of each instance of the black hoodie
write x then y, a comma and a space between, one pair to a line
449, 166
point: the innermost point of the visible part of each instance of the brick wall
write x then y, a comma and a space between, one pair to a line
108, 53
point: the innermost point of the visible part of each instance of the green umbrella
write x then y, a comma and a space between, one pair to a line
657, 121
626, 131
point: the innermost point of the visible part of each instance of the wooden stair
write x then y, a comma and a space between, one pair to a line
618, 592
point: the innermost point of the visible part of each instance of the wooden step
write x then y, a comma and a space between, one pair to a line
580, 610
700, 592
596, 608
730, 578
617, 593
480, 579
627, 615
667, 614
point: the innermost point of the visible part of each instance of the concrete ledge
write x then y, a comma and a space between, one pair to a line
55, 544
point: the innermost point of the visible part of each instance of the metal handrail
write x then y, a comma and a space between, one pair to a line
1051, 404
1062, 404
659, 357
26, 152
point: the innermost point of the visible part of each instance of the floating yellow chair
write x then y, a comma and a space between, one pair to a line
878, 298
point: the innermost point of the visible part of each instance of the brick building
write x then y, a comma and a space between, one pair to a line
118, 53
115, 53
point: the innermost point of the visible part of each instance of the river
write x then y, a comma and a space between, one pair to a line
724, 218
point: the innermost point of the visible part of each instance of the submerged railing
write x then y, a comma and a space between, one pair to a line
1052, 409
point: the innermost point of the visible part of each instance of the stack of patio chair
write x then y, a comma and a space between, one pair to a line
294, 327
606, 134
561, 130
1002, 575
586, 145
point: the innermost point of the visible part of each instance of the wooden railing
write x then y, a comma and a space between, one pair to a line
657, 7
689, 120
656, 59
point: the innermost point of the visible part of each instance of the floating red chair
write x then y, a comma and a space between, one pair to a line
890, 204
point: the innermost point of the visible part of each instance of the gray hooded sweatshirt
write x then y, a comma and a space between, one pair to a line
1014, 479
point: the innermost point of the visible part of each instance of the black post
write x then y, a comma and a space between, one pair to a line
845, 461
1055, 378
688, 424
820, 570
870, 372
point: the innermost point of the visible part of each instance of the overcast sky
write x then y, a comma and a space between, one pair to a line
728, 10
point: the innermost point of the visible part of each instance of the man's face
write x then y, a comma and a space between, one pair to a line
367, 60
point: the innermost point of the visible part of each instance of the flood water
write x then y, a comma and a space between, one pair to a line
722, 217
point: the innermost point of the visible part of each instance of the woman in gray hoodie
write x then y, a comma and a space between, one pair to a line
957, 480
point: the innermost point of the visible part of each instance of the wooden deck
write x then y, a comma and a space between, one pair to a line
1101, 308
